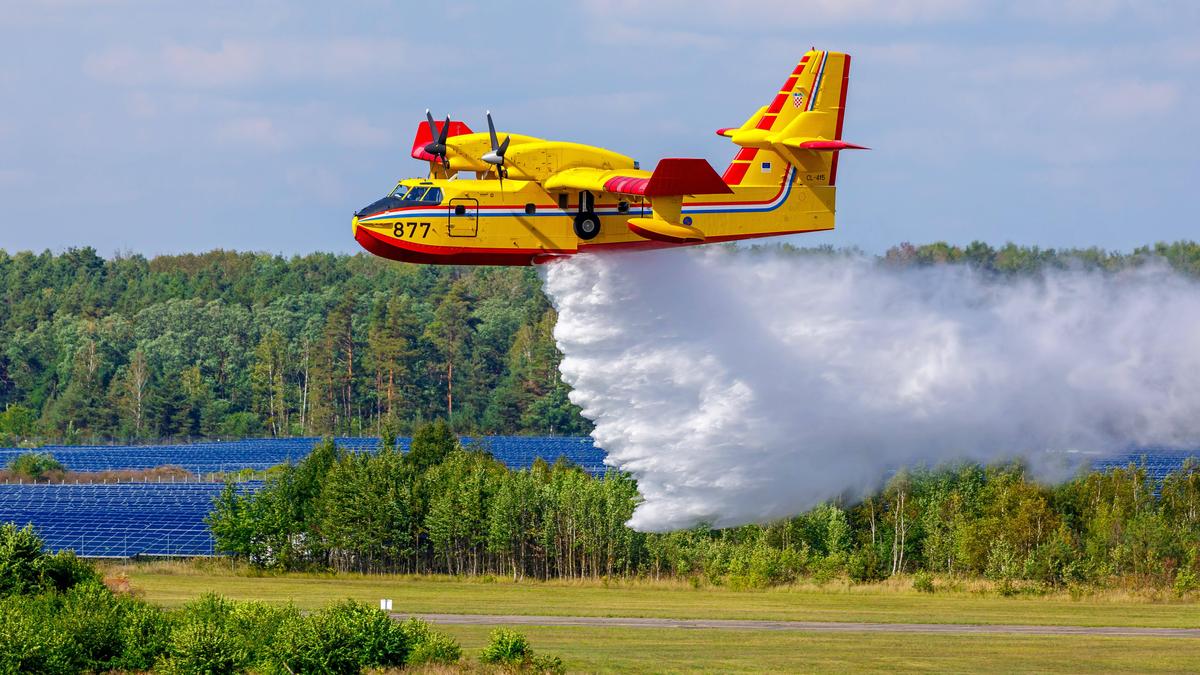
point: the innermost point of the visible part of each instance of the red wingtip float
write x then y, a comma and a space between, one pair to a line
508, 199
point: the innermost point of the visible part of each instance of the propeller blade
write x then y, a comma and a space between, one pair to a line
492, 131
503, 146
445, 132
435, 147
433, 132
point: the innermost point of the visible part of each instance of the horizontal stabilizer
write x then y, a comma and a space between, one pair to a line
424, 137
672, 177
661, 230
821, 145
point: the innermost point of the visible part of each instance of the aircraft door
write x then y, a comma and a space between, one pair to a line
463, 217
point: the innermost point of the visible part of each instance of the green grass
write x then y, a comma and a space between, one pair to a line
174, 584
666, 650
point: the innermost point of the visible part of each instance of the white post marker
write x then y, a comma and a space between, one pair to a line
385, 604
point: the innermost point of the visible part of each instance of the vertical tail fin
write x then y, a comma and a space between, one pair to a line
802, 126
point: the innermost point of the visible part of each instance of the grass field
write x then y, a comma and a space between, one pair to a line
669, 650
598, 649
172, 584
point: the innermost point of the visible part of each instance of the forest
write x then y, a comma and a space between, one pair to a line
443, 508
229, 344
225, 344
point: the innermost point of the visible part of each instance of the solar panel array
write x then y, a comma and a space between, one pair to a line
121, 520
167, 519
1157, 462
517, 452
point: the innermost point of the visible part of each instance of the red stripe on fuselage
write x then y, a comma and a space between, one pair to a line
407, 251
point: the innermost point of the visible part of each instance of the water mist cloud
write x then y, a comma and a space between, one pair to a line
740, 387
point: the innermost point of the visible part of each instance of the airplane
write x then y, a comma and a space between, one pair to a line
525, 200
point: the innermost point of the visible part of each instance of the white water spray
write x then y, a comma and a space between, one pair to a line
743, 386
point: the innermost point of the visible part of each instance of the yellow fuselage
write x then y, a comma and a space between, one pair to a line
521, 223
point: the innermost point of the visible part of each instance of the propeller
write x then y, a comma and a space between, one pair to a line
496, 156
437, 144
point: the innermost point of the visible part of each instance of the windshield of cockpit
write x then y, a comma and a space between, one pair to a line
418, 193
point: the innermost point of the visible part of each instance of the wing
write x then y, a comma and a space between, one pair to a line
671, 180
673, 177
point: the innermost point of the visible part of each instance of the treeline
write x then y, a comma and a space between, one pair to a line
447, 509
1183, 256
230, 344
439, 507
226, 344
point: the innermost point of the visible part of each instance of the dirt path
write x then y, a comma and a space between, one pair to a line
810, 626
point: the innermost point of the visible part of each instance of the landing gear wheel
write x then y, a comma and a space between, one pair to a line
587, 226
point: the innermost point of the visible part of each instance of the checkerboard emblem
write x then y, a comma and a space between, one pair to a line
798, 98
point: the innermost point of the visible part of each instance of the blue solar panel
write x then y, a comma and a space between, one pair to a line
1157, 462
116, 520
518, 452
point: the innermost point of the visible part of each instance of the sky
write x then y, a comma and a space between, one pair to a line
155, 126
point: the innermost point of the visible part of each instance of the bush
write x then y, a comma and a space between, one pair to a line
511, 649
545, 663
427, 646
923, 582
208, 608
26, 570
255, 625
64, 570
506, 648
380, 641
145, 636
20, 560
95, 619
318, 643
1186, 581
34, 465
204, 648
29, 643
864, 565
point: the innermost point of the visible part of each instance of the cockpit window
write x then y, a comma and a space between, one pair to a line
433, 196
398, 193
415, 194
